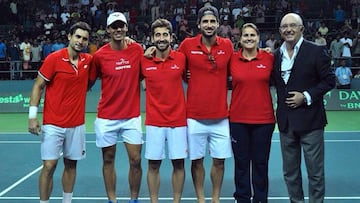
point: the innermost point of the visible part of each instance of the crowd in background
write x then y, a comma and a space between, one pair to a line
30, 29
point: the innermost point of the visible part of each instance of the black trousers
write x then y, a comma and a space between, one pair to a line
251, 147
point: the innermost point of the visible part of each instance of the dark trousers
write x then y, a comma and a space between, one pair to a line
312, 144
251, 147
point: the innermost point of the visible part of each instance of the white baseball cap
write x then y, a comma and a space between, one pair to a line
115, 17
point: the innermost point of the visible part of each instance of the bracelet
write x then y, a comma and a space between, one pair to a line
33, 111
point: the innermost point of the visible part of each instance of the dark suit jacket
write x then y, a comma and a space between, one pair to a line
311, 72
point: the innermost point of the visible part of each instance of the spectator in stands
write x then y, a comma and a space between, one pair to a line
14, 11
224, 11
13, 53
65, 16
47, 48
101, 32
58, 44
356, 50
25, 48
346, 52
343, 76
225, 29
319, 39
260, 9
347, 27
336, 48
155, 11
36, 51
236, 11
339, 16
3, 59
48, 26
357, 74
239, 22
111, 7
271, 42
235, 37
246, 12
185, 29
323, 29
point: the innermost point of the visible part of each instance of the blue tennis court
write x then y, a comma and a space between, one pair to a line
20, 166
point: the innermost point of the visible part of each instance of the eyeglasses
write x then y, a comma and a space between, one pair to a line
212, 60
291, 26
117, 25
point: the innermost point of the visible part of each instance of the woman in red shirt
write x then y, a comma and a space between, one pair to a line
252, 118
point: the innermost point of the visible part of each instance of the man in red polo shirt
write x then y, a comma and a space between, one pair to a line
207, 110
64, 73
165, 110
117, 63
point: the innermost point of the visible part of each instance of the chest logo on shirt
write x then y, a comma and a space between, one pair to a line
261, 66
197, 52
122, 64
220, 52
175, 67
151, 68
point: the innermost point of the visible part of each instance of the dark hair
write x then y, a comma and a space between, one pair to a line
251, 25
208, 10
79, 25
161, 22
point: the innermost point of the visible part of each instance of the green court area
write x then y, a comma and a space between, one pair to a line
338, 121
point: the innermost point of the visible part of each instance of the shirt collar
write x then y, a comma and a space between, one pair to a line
296, 48
171, 56
201, 45
65, 55
258, 56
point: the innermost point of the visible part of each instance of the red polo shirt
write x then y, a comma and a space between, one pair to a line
119, 71
251, 99
65, 93
207, 86
165, 100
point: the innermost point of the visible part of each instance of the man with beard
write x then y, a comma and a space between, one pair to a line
64, 73
207, 57
165, 110
117, 64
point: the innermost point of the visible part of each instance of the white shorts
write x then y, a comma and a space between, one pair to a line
214, 131
107, 131
156, 138
69, 141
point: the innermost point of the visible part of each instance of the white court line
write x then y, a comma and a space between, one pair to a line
168, 198
274, 140
90, 132
20, 181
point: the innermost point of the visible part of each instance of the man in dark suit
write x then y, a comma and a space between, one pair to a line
302, 75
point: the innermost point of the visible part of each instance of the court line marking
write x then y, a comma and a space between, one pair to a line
169, 198
274, 140
93, 133
20, 181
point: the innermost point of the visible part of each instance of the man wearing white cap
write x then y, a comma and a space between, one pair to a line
118, 66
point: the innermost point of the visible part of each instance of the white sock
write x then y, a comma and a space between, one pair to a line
67, 197
47, 201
